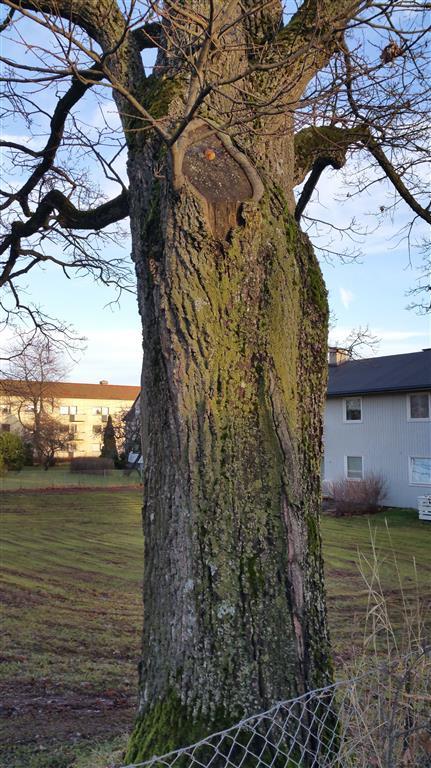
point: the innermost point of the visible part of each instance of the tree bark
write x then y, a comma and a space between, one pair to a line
234, 317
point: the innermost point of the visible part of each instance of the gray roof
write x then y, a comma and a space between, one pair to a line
394, 373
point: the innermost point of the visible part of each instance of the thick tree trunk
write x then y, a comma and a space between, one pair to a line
234, 316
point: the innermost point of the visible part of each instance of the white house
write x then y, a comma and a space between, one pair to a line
378, 419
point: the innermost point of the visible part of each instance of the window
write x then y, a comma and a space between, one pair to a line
353, 409
419, 406
4, 427
6, 409
97, 429
420, 470
354, 467
70, 410
101, 410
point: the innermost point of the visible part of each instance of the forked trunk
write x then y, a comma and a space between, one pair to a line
234, 316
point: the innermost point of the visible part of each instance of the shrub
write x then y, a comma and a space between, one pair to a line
28, 455
92, 465
121, 462
360, 497
11, 450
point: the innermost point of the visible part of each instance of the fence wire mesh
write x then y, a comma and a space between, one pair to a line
380, 718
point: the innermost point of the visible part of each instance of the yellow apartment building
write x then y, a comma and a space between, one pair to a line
83, 409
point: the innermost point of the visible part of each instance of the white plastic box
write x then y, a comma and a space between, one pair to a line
424, 507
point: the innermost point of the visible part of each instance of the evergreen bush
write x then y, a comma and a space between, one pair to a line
12, 450
109, 447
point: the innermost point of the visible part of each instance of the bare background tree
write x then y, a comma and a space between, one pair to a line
358, 343
246, 101
33, 365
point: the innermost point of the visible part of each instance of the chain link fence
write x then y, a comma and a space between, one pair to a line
380, 718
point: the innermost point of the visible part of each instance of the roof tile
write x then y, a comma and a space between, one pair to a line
68, 389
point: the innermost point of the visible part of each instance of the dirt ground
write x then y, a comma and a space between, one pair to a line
42, 713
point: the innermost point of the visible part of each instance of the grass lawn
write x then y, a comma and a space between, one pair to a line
71, 589
408, 541
61, 477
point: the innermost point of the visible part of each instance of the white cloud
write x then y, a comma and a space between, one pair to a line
346, 297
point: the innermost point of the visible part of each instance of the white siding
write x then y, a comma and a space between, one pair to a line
384, 437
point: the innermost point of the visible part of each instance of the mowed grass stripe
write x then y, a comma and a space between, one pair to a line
408, 542
71, 587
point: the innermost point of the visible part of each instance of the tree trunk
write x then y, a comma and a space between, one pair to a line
234, 317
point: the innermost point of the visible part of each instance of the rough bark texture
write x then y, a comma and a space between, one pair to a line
233, 384
234, 316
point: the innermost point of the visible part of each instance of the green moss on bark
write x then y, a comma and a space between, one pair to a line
158, 94
167, 726
233, 381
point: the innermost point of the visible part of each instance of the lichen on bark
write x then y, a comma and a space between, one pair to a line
229, 513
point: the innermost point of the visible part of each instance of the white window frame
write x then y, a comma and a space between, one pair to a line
101, 410
424, 418
411, 482
345, 419
68, 410
353, 479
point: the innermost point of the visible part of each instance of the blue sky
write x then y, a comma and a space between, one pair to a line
370, 291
